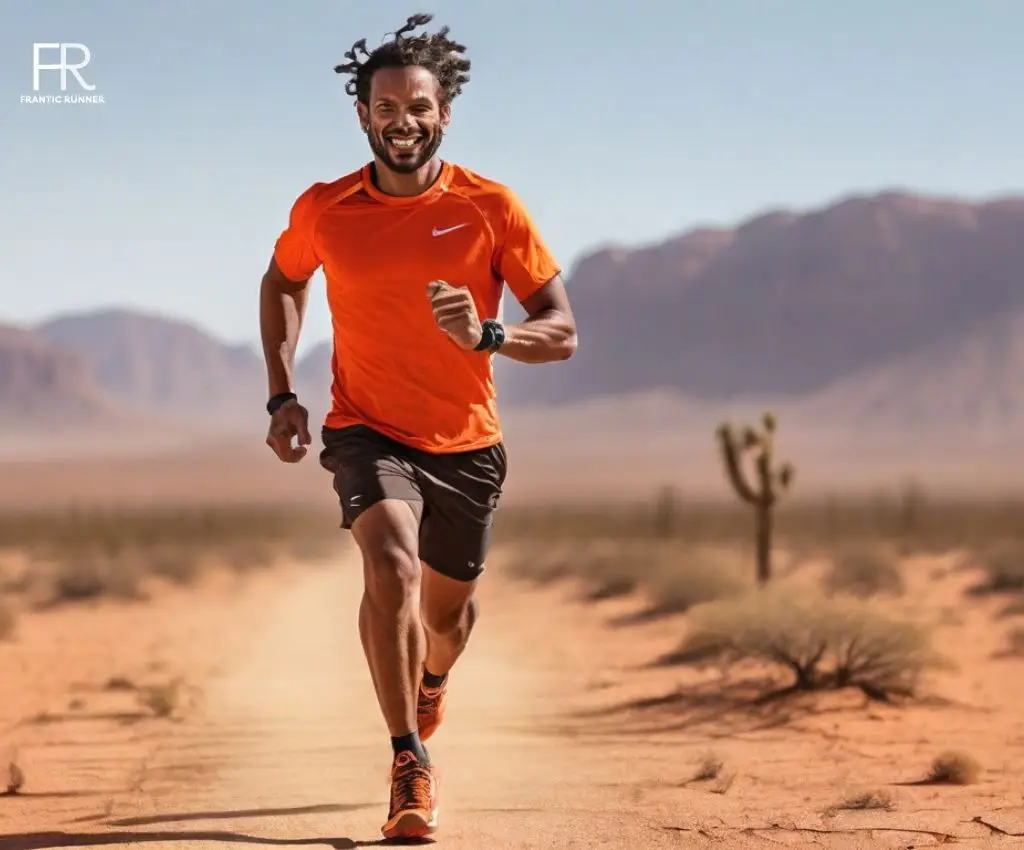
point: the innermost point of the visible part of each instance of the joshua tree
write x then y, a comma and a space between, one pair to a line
773, 480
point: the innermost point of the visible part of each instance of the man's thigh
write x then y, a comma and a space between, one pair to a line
368, 468
460, 495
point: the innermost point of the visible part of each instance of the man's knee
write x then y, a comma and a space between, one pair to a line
443, 621
387, 537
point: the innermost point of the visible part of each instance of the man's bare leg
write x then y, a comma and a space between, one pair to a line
392, 634
389, 615
449, 612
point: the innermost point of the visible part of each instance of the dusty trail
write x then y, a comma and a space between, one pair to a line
284, 745
287, 745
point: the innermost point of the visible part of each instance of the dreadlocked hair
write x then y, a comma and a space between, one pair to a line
435, 52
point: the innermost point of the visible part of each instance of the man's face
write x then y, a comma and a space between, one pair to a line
404, 119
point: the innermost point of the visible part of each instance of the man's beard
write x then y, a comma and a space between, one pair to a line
405, 164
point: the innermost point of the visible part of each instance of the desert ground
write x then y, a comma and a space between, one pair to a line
192, 676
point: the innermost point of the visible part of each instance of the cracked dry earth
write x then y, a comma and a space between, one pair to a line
559, 733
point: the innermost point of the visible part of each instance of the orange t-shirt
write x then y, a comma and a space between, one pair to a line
394, 369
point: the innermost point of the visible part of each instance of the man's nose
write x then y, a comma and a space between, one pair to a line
404, 121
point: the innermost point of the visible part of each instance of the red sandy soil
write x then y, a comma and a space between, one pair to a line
559, 734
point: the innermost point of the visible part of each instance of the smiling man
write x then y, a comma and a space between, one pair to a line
416, 252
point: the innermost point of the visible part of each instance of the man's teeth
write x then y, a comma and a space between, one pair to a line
403, 143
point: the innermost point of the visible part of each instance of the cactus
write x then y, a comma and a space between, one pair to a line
773, 480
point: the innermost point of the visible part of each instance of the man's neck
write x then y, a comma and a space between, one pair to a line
406, 185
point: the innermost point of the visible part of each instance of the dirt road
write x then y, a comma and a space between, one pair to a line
283, 745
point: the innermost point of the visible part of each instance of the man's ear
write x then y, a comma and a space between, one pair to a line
364, 116
446, 116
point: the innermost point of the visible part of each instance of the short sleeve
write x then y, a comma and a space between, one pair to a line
524, 261
294, 250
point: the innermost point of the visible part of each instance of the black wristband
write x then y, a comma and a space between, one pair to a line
492, 335
278, 400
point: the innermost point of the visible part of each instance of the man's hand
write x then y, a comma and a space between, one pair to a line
455, 313
290, 420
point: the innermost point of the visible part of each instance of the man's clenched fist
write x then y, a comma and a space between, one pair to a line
290, 420
455, 313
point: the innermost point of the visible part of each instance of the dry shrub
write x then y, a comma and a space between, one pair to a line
6, 622
163, 699
1003, 564
674, 576
824, 642
76, 577
954, 767
610, 568
12, 776
681, 578
1015, 642
865, 570
710, 768
81, 554
543, 562
1014, 609
248, 555
880, 799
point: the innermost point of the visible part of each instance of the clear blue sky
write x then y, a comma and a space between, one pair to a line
615, 121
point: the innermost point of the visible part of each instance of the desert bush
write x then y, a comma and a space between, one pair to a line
76, 555
880, 799
162, 700
12, 775
954, 767
674, 576
1003, 564
546, 561
939, 523
680, 578
6, 622
1015, 608
710, 768
1015, 642
824, 642
863, 571
76, 577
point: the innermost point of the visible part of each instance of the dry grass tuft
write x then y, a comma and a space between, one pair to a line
865, 570
162, 700
683, 577
954, 767
672, 575
710, 768
7, 621
880, 799
1015, 642
12, 777
78, 555
1003, 564
823, 642
1014, 609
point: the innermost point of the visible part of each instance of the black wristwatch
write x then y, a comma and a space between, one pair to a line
492, 336
279, 399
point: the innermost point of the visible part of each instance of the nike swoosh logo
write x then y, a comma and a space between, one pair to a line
437, 232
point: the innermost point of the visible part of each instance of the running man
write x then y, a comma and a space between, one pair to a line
416, 252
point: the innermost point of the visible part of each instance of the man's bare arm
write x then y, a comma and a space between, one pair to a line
282, 309
549, 331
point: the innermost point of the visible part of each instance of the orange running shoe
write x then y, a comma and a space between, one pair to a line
430, 709
413, 811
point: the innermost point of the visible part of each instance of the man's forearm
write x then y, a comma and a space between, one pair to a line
282, 308
543, 338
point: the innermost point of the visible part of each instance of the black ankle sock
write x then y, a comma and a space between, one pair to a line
410, 743
432, 680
